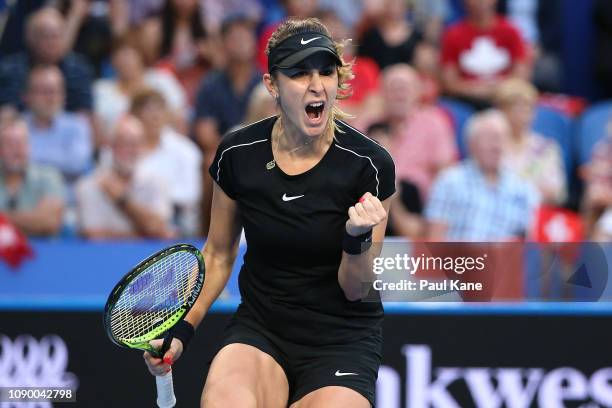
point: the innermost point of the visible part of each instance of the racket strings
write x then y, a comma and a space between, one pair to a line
155, 295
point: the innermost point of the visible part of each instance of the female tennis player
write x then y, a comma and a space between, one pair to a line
312, 194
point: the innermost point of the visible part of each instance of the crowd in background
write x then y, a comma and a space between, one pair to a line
111, 110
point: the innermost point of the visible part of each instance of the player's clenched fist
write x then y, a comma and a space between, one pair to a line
364, 215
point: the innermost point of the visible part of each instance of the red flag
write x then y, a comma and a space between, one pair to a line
14, 245
561, 229
558, 225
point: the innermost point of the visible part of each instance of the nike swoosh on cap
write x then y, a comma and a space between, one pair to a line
289, 198
340, 374
307, 41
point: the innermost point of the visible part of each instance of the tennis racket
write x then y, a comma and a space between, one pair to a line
150, 299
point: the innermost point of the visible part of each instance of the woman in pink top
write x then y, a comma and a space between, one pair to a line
423, 139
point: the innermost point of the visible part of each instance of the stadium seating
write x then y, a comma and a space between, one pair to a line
590, 128
459, 113
555, 125
547, 121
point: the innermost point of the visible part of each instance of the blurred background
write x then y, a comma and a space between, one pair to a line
497, 115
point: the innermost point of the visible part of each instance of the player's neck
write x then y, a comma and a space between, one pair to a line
289, 140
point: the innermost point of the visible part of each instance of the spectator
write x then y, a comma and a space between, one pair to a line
8, 114
113, 96
184, 49
365, 96
423, 140
46, 45
224, 94
31, 195
426, 63
597, 199
392, 39
222, 99
406, 206
115, 202
533, 157
371, 10
88, 30
172, 156
130, 13
58, 138
480, 51
478, 199
13, 15
349, 11
540, 23
175, 39
261, 105
215, 12
429, 18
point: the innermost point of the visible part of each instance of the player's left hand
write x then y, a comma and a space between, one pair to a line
365, 215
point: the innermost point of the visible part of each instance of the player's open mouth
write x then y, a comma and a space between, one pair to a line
314, 110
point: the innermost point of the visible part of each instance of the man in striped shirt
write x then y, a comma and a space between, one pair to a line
478, 199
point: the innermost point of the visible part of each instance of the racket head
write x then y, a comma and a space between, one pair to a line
155, 295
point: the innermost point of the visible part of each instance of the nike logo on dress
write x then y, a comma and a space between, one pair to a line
289, 198
307, 41
339, 374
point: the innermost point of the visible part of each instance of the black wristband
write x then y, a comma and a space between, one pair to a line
183, 331
356, 245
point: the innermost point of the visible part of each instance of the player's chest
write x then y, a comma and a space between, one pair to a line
306, 195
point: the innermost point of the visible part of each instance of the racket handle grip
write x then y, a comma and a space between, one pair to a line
165, 391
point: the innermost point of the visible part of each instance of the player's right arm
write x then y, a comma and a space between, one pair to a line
219, 252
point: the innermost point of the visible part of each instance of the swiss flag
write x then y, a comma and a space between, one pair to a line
14, 246
561, 229
557, 225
